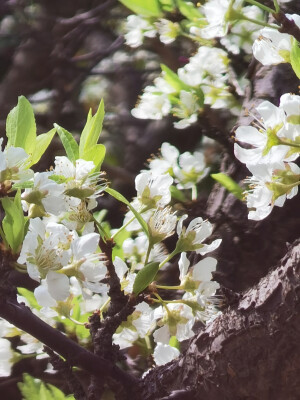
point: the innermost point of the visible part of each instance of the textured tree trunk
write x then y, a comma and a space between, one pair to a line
251, 351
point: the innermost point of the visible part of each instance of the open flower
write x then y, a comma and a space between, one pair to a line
270, 186
274, 47
138, 27
191, 238
80, 181
266, 141
14, 164
175, 319
162, 224
199, 278
45, 248
46, 196
153, 190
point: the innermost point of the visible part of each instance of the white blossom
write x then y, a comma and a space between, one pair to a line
162, 224
191, 238
6, 357
272, 46
153, 190
167, 30
14, 164
138, 27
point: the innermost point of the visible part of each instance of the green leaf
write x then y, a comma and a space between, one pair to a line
188, 10
229, 184
146, 8
23, 185
121, 198
174, 342
20, 126
167, 5
30, 297
69, 143
295, 57
92, 130
172, 78
33, 389
13, 223
200, 95
41, 144
145, 276
177, 194
95, 154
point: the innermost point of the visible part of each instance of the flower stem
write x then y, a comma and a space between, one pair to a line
257, 22
194, 192
276, 5
148, 251
123, 227
262, 6
168, 258
179, 287
103, 307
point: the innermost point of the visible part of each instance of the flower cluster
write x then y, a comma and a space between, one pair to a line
274, 145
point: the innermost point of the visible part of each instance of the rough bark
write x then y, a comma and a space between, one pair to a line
251, 351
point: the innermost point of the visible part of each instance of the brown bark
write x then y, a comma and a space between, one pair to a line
251, 351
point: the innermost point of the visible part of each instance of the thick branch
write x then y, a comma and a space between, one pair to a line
21, 316
252, 351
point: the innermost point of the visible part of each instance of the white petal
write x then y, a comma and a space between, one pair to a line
43, 296
203, 269
164, 353
58, 285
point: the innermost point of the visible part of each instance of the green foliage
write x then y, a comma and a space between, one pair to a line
29, 296
295, 57
146, 8
73, 328
121, 198
95, 154
13, 223
34, 389
172, 78
88, 149
92, 130
174, 342
145, 276
21, 131
41, 144
229, 184
69, 143
20, 126
188, 9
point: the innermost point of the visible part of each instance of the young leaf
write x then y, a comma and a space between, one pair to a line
229, 184
188, 10
95, 154
146, 8
145, 276
20, 126
121, 198
30, 297
295, 57
173, 79
33, 389
92, 130
13, 223
68, 142
41, 145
